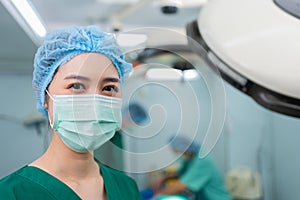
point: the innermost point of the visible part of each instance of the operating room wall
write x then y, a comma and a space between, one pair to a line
247, 129
265, 141
286, 132
19, 145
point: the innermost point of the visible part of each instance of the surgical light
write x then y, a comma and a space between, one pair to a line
164, 74
24, 13
225, 69
131, 41
190, 74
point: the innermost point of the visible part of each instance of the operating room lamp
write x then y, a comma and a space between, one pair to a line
255, 46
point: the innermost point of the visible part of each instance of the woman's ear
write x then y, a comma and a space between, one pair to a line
46, 101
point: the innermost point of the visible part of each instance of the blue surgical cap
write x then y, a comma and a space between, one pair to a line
62, 45
184, 144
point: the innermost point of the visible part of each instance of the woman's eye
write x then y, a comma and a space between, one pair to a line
77, 86
110, 88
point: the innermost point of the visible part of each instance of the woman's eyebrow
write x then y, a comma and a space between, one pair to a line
110, 79
73, 76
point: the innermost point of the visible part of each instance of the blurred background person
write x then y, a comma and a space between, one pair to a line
196, 178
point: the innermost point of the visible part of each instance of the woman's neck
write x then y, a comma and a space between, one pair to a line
63, 162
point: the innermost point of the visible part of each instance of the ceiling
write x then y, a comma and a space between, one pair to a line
17, 50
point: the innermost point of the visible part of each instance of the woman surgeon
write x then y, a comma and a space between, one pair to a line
77, 78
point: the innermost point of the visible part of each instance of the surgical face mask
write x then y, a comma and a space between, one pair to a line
85, 122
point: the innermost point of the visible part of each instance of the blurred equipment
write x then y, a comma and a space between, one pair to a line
171, 197
177, 57
131, 42
135, 113
34, 120
173, 6
256, 52
169, 6
243, 183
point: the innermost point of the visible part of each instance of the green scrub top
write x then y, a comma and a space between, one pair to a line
33, 183
111, 153
201, 176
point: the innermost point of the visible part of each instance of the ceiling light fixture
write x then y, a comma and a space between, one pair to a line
164, 74
190, 74
27, 17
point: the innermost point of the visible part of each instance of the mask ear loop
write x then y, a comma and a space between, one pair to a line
51, 125
50, 95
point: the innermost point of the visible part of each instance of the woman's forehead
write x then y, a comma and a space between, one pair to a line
89, 64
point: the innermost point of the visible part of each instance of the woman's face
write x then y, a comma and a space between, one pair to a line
86, 73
